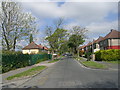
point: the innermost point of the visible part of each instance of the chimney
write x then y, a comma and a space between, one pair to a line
112, 30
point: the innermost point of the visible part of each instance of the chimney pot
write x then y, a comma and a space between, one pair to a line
112, 30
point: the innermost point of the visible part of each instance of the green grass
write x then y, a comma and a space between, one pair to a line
29, 72
114, 62
52, 61
61, 57
79, 58
93, 64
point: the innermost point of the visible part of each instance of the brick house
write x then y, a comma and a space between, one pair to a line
110, 41
96, 44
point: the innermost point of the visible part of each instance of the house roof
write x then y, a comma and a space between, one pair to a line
45, 48
32, 45
40, 46
90, 43
112, 34
82, 46
98, 40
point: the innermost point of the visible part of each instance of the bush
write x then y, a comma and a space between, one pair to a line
88, 55
14, 60
107, 55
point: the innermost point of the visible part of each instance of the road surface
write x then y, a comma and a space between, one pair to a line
68, 73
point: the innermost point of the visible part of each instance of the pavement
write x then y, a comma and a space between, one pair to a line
68, 73
111, 66
13, 72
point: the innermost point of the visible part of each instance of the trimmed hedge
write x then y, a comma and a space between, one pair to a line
16, 60
107, 55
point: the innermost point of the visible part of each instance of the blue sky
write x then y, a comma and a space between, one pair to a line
97, 17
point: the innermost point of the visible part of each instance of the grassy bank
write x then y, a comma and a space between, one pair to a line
29, 72
93, 64
79, 58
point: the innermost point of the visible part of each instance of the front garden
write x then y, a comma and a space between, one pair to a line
111, 56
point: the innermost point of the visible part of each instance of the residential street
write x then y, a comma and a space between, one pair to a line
68, 73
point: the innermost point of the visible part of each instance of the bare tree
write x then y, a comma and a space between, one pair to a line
79, 31
59, 22
15, 24
48, 30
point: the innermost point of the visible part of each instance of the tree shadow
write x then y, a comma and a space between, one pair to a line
104, 84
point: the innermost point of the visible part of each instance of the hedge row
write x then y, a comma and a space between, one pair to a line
107, 55
14, 61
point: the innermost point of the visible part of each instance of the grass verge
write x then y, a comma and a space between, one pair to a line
52, 61
93, 64
29, 72
79, 58
114, 62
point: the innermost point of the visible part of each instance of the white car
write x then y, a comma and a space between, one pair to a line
55, 54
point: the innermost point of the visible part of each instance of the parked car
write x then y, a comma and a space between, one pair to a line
67, 54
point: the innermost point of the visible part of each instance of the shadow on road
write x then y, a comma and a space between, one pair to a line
105, 84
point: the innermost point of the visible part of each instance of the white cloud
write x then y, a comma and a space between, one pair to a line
70, 25
84, 13
89, 14
102, 28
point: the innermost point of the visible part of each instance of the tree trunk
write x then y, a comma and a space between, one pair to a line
14, 43
6, 41
78, 52
73, 52
52, 55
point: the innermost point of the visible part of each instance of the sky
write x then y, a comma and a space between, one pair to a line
97, 17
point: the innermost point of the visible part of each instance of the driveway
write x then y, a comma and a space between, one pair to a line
68, 73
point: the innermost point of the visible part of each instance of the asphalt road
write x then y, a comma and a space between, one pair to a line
68, 73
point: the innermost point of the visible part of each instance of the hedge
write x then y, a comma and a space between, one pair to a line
19, 60
87, 54
107, 55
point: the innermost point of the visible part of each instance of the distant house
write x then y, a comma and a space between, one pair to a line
89, 47
110, 41
82, 48
96, 44
33, 48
